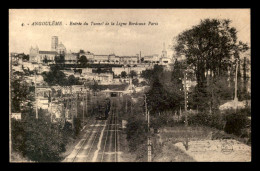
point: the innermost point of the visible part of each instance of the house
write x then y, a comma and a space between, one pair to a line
16, 116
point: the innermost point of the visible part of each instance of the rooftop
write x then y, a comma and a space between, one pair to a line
48, 52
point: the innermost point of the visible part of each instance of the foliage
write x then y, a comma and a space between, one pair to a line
135, 81
18, 134
77, 126
151, 75
143, 83
208, 48
25, 57
132, 74
136, 131
123, 74
59, 59
72, 80
83, 61
231, 121
45, 60
147, 74
38, 139
20, 92
55, 76
235, 122
94, 87
165, 92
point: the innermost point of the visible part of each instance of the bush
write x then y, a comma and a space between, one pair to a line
77, 125
39, 139
44, 141
235, 122
17, 135
136, 131
231, 122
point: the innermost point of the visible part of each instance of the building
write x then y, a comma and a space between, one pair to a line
37, 56
33, 54
16, 116
151, 59
43, 97
164, 60
46, 55
61, 49
70, 58
54, 43
128, 60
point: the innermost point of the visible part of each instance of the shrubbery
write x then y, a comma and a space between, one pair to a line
136, 131
39, 139
230, 121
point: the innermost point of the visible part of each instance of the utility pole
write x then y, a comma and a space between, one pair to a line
77, 96
126, 104
87, 102
149, 144
185, 99
83, 107
131, 107
146, 117
185, 106
35, 95
236, 99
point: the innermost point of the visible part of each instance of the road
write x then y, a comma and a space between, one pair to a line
100, 141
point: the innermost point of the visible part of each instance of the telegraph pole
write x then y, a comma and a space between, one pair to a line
185, 106
83, 107
126, 104
236, 99
185, 99
35, 91
149, 144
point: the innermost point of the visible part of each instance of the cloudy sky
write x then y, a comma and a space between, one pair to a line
106, 39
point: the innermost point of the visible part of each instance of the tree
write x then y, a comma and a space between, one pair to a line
208, 48
133, 74
135, 81
25, 57
20, 92
44, 140
55, 76
123, 74
72, 80
99, 70
81, 51
94, 87
45, 60
83, 61
136, 131
59, 59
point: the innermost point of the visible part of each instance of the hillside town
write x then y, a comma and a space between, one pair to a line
31, 71
193, 104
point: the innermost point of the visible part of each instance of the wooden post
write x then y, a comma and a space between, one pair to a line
185, 100
236, 99
83, 108
35, 95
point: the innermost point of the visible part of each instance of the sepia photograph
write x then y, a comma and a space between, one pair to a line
129, 85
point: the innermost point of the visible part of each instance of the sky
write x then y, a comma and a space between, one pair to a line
106, 39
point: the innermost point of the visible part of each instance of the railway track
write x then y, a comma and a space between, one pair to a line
100, 143
85, 139
112, 128
105, 143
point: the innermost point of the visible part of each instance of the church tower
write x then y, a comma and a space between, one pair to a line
164, 52
54, 43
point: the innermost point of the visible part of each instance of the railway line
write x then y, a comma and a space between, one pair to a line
100, 142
